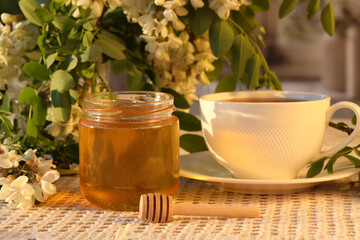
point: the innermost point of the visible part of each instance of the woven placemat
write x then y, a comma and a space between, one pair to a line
323, 212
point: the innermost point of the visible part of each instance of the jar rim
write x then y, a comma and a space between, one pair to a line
128, 98
128, 105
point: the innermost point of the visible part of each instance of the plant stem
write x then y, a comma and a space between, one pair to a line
347, 130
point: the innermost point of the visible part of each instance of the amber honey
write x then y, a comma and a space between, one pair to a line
128, 149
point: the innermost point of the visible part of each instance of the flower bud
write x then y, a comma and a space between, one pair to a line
8, 18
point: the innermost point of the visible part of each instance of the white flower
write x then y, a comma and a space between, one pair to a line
8, 159
223, 7
15, 40
37, 184
45, 187
63, 130
18, 193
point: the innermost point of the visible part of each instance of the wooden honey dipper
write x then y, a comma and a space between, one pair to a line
156, 207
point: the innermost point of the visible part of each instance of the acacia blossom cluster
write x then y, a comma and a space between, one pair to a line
180, 60
25, 179
16, 38
62, 131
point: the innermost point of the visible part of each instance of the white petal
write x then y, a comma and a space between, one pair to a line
26, 203
4, 163
47, 187
159, 2
170, 15
7, 18
29, 154
15, 195
51, 176
39, 194
181, 11
28, 190
4, 192
19, 182
3, 180
197, 3
97, 9
178, 25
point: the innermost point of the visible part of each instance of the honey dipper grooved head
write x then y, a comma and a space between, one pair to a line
156, 207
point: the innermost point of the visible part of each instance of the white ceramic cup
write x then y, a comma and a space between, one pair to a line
269, 140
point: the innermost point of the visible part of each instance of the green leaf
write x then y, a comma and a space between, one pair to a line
72, 151
201, 20
71, 62
328, 19
286, 7
16, 139
28, 9
89, 24
260, 5
253, 71
43, 15
353, 119
315, 168
88, 38
88, 72
28, 96
64, 23
61, 81
36, 70
226, 84
111, 45
95, 53
193, 143
221, 37
39, 112
74, 95
357, 152
118, 67
330, 165
274, 80
312, 8
345, 150
354, 160
6, 125
6, 102
214, 75
41, 43
179, 100
51, 59
61, 104
242, 51
133, 81
31, 129
188, 122
245, 18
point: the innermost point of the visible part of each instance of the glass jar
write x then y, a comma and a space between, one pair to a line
129, 145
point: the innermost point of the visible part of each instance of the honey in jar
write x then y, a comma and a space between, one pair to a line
129, 145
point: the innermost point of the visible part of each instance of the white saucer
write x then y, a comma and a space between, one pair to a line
202, 166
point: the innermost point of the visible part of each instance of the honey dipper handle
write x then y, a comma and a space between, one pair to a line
215, 210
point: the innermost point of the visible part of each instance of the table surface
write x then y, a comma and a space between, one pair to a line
322, 212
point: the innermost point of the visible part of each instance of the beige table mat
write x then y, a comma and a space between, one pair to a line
322, 212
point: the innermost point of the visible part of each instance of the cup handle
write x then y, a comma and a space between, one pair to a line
344, 104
